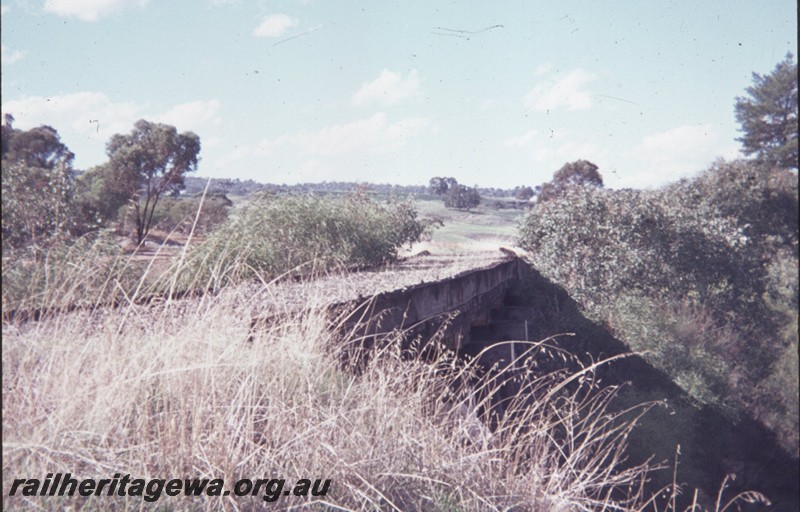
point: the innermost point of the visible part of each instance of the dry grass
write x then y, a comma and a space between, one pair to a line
146, 391
175, 390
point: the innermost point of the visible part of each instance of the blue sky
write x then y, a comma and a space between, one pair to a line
492, 93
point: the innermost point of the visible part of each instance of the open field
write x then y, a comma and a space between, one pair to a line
484, 228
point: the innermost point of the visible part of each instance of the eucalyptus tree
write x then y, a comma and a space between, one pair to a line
150, 161
580, 173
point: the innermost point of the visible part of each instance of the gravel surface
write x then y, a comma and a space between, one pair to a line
267, 300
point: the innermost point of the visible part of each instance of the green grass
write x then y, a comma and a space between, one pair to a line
484, 228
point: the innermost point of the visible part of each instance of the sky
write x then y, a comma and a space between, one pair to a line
495, 94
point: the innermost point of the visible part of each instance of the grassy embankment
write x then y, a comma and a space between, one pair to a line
175, 390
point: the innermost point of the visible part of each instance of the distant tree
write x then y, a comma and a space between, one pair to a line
462, 197
524, 193
441, 186
768, 116
582, 173
148, 162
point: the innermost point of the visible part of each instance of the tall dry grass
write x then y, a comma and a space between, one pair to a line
185, 389
161, 392
171, 391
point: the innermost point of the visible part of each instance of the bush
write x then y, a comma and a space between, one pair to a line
40, 207
701, 274
273, 235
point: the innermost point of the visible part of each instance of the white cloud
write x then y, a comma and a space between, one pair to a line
89, 113
237, 154
555, 154
264, 148
543, 69
549, 151
10, 56
89, 10
86, 120
95, 115
674, 154
657, 159
566, 92
275, 25
312, 171
389, 88
192, 116
373, 135
5, 9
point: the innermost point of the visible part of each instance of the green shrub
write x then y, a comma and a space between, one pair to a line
680, 339
40, 206
700, 274
273, 235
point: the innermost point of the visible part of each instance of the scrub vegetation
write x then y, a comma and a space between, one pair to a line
273, 235
700, 276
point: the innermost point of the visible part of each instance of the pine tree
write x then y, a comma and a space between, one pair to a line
769, 116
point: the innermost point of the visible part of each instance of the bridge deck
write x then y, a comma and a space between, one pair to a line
288, 297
